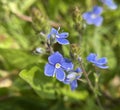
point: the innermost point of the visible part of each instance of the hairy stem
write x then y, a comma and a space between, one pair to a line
50, 47
90, 84
86, 76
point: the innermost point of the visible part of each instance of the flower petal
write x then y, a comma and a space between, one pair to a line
72, 75
60, 74
98, 21
88, 17
67, 64
55, 58
92, 57
97, 10
48, 36
78, 70
49, 70
102, 61
62, 41
102, 66
67, 81
53, 31
63, 35
73, 85
110, 4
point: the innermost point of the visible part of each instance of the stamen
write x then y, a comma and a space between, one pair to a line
93, 16
57, 65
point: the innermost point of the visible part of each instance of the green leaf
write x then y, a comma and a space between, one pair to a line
78, 95
40, 83
14, 58
45, 86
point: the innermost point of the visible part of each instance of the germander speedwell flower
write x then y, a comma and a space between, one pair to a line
72, 77
56, 66
93, 17
101, 62
110, 4
58, 37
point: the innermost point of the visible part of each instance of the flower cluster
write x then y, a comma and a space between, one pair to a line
56, 66
63, 68
93, 17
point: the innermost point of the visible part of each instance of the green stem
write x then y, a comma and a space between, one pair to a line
86, 76
50, 47
90, 84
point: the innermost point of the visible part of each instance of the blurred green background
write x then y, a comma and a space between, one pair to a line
21, 22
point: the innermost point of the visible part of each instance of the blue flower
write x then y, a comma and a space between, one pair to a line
110, 4
101, 62
59, 37
72, 77
56, 66
93, 17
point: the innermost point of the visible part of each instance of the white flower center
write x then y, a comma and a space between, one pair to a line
72, 75
53, 36
57, 36
93, 16
57, 65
